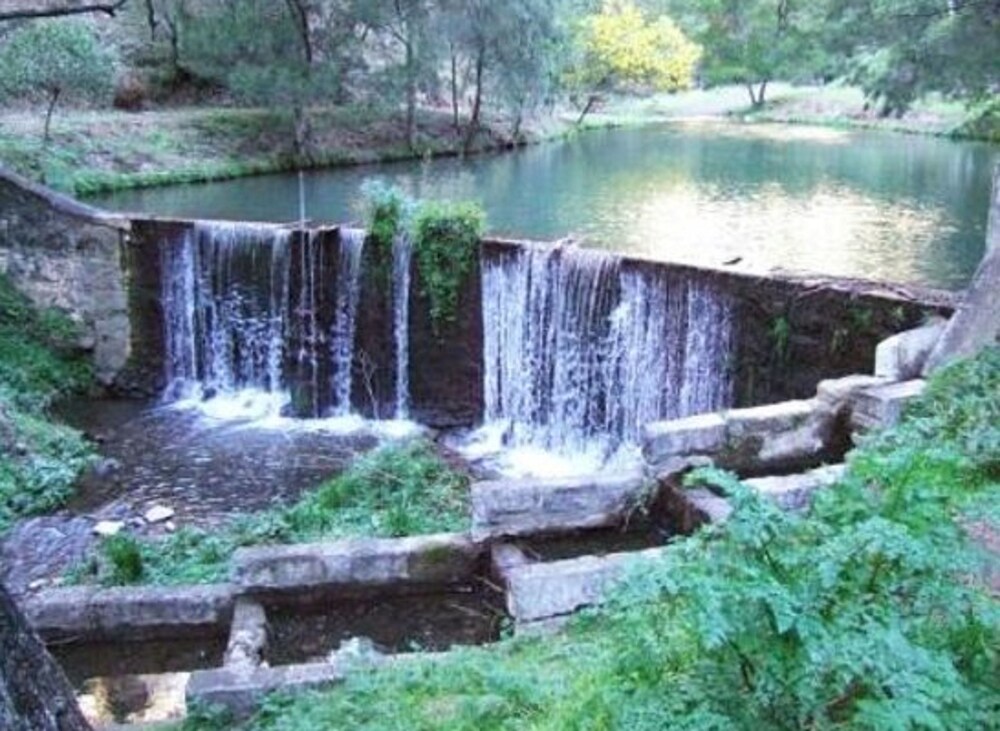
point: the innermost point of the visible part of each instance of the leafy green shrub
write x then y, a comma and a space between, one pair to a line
862, 614
387, 211
39, 460
393, 491
445, 243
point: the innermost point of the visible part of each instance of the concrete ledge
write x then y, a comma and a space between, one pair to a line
521, 507
795, 492
541, 591
131, 613
882, 406
358, 564
64, 204
241, 690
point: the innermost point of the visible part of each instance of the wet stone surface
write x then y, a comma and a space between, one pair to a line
206, 471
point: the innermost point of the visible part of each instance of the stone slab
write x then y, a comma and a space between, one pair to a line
543, 590
131, 613
247, 635
795, 492
903, 356
882, 406
701, 434
240, 690
837, 392
523, 507
358, 564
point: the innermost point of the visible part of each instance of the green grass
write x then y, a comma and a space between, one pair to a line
39, 460
864, 614
397, 490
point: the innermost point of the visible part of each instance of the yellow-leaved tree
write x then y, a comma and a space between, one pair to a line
620, 47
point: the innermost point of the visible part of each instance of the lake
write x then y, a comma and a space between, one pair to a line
876, 205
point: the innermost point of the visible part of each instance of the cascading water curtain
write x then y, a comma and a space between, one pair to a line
581, 349
352, 242
402, 257
225, 300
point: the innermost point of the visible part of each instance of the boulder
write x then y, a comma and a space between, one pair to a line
902, 356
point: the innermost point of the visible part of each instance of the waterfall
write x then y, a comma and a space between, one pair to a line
348, 292
582, 349
225, 296
402, 255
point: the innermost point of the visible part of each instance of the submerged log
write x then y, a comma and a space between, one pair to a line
34, 692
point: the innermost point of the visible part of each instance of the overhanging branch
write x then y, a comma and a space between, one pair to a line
27, 9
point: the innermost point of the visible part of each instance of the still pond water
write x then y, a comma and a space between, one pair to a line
863, 204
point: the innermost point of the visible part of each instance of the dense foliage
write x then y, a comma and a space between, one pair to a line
39, 460
391, 492
387, 212
867, 613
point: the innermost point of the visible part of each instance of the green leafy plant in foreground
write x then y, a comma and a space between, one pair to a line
866, 613
397, 490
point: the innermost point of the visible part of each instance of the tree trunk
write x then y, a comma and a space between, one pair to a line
761, 92
757, 95
411, 95
477, 102
454, 90
591, 101
34, 692
302, 142
48, 115
753, 94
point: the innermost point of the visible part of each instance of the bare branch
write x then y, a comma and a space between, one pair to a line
26, 9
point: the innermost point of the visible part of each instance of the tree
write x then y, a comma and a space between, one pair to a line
284, 55
902, 49
621, 47
34, 692
53, 60
749, 42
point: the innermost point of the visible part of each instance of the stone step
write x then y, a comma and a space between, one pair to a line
882, 406
795, 492
521, 507
541, 592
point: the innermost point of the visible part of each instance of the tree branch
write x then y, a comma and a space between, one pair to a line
27, 9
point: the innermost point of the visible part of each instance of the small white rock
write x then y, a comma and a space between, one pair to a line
170, 526
38, 584
107, 528
158, 514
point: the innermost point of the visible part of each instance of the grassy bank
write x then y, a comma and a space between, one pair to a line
394, 491
96, 151
39, 460
867, 613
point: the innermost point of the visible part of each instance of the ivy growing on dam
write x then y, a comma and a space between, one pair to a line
446, 239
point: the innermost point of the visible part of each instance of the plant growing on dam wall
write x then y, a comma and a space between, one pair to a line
445, 245
39, 460
445, 237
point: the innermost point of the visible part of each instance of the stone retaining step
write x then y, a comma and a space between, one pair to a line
360, 565
521, 507
542, 591
131, 613
882, 406
795, 492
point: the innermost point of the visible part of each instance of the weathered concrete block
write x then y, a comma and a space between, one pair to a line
358, 564
882, 406
663, 442
131, 613
902, 356
543, 590
795, 492
836, 393
247, 636
521, 507
777, 435
240, 690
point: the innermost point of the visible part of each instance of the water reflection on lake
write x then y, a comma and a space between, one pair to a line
868, 204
